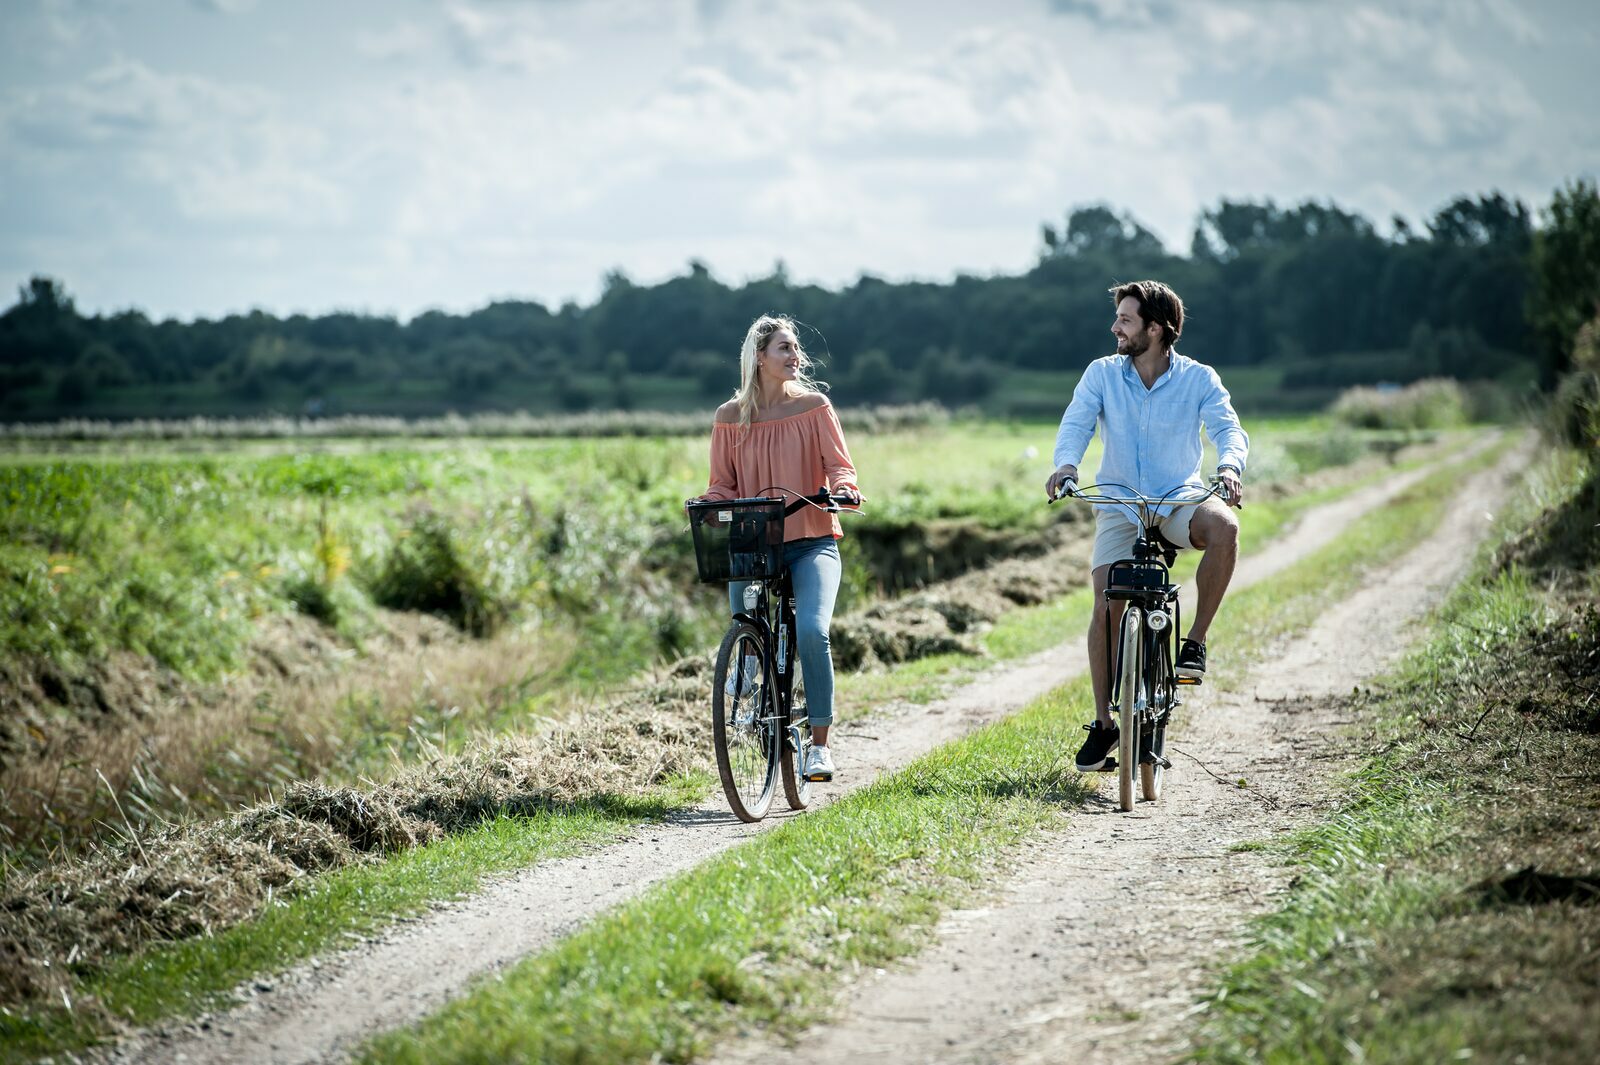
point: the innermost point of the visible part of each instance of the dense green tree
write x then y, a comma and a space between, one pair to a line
1308, 286
1566, 273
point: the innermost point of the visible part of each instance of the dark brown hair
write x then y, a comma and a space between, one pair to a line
1158, 304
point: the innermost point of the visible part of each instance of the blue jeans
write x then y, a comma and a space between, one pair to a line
814, 568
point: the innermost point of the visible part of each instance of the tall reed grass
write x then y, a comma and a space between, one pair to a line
520, 424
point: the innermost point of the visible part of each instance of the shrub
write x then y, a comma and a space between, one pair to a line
1575, 410
426, 570
312, 598
1435, 403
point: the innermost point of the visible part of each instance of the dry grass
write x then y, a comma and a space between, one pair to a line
451, 426
946, 618
168, 748
190, 879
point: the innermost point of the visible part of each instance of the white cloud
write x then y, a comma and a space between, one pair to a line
506, 38
399, 42
225, 7
495, 147
216, 150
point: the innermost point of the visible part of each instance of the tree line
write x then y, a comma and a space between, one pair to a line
1310, 289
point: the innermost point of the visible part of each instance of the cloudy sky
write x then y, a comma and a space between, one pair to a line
196, 158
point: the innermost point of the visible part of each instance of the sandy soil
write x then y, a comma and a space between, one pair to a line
1002, 982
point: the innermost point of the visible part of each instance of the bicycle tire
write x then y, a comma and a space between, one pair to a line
796, 788
746, 735
1158, 676
1130, 702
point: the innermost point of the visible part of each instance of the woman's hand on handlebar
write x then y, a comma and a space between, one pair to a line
846, 497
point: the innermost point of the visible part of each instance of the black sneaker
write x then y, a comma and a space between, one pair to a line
1192, 660
1092, 755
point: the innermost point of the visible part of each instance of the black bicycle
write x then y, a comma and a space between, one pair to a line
1144, 684
760, 735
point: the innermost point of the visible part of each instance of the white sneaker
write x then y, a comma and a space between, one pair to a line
819, 764
752, 667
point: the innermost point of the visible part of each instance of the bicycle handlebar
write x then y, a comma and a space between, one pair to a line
822, 499
1144, 504
1135, 497
831, 502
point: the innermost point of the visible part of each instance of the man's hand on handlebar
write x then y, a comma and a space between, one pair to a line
1229, 487
1061, 482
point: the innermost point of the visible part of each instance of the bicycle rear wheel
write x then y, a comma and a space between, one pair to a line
796, 788
744, 725
1157, 681
1131, 703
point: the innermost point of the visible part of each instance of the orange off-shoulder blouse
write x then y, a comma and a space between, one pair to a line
801, 452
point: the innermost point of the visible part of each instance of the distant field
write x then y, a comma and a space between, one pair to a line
1016, 393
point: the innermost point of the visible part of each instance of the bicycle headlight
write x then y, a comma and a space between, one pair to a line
1159, 620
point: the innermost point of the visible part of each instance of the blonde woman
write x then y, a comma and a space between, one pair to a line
778, 435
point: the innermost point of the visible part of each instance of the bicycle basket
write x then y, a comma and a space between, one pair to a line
737, 540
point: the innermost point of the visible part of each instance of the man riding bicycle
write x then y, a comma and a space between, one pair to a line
1150, 403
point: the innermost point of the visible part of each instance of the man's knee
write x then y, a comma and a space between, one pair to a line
1214, 528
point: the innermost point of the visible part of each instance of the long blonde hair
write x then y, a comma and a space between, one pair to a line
755, 342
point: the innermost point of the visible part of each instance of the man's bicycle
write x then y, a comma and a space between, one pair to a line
1144, 684
760, 735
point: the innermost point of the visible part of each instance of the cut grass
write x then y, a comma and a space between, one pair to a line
753, 937
182, 979
1401, 941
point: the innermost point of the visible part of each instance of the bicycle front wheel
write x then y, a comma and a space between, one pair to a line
744, 726
1131, 702
1158, 679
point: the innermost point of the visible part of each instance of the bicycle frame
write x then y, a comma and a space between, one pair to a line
769, 606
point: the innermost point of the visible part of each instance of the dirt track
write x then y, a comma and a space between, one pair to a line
1098, 944
1004, 973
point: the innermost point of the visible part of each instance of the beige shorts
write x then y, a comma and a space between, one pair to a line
1114, 533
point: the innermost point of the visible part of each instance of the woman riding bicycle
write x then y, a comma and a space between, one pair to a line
779, 436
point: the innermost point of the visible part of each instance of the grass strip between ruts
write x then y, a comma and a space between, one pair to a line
758, 935
186, 978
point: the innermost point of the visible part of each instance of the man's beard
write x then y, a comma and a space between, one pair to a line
1134, 346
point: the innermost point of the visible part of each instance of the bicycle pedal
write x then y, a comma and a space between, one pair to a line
819, 778
1108, 766
1190, 680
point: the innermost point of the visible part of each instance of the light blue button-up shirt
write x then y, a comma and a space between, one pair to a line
1151, 435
